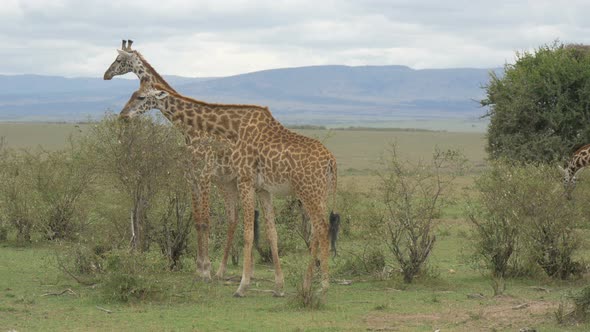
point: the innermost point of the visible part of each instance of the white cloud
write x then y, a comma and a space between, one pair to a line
217, 38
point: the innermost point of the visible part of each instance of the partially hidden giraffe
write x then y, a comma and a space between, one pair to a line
268, 158
578, 161
215, 160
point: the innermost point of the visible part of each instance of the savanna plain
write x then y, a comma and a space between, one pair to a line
367, 292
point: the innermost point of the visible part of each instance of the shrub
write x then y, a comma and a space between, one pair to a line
580, 311
305, 297
368, 261
174, 226
62, 179
413, 196
18, 199
521, 209
123, 287
133, 276
138, 155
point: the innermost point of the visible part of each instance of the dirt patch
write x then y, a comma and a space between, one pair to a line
487, 315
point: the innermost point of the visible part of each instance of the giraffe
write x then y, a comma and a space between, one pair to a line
269, 159
215, 160
579, 160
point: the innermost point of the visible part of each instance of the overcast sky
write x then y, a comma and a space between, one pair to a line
226, 37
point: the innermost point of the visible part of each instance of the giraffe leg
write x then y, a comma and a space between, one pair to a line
205, 223
271, 233
200, 197
247, 197
197, 219
321, 241
308, 277
230, 195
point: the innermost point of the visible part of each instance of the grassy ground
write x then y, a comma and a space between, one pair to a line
438, 301
441, 300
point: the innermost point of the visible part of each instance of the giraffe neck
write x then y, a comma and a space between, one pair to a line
146, 73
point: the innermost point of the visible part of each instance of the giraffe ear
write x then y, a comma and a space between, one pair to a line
561, 169
161, 94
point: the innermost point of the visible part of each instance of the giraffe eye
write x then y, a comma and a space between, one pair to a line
141, 97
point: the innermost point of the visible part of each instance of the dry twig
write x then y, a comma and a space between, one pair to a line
105, 310
68, 290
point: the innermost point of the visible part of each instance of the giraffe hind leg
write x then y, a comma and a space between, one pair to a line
230, 195
247, 198
320, 243
271, 233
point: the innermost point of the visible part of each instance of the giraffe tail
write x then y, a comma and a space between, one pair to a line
334, 217
333, 181
333, 231
256, 229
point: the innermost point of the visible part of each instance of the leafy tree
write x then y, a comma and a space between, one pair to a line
540, 107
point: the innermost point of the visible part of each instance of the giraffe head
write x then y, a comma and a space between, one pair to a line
127, 60
146, 98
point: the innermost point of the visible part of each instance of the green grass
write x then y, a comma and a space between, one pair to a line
437, 300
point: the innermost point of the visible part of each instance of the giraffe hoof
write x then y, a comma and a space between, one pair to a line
239, 294
278, 294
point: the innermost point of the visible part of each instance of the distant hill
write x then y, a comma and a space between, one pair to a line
319, 94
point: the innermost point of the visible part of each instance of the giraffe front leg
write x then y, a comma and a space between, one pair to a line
197, 219
205, 226
247, 198
201, 216
230, 195
271, 232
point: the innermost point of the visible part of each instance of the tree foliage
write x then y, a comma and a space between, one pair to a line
539, 108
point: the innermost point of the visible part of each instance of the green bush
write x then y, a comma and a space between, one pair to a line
580, 308
521, 215
125, 287
369, 261
63, 179
295, 268
136, 158
18, 198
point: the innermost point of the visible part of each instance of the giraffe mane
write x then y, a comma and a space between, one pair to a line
149, 67
189, 99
